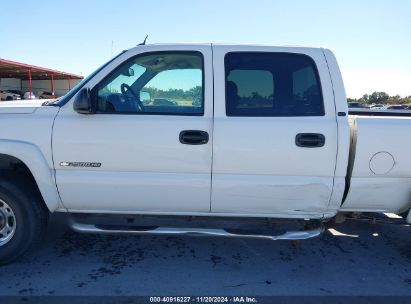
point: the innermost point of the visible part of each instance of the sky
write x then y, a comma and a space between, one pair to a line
371, 38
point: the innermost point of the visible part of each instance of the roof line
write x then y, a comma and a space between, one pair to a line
29, 66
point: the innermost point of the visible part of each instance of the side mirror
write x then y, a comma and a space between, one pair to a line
82, 103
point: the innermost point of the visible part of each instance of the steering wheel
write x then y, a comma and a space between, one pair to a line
125, 88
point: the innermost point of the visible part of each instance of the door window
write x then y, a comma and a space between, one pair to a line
272, 84
161, 83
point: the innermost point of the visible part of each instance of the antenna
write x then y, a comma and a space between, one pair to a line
144, 42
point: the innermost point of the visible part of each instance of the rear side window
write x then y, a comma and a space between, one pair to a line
272, 84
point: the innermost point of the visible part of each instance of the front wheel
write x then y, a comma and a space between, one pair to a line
23, 221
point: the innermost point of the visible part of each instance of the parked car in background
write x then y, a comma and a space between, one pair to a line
18, 92
45, 95
379, 107
357, 105
396, 107
7, 95
27, 95
164, 102
376, 106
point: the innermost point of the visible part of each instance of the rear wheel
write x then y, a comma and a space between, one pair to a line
23, 221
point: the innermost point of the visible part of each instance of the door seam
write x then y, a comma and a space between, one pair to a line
212, 128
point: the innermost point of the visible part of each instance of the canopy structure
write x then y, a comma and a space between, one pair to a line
13, 69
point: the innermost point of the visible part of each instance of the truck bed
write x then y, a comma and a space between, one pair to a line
379, 171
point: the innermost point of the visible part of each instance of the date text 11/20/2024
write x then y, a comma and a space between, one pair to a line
234, 299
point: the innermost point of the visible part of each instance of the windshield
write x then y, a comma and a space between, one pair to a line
64, 99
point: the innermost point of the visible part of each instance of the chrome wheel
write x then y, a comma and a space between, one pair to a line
7, 223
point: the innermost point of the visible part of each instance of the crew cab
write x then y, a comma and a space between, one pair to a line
248, 133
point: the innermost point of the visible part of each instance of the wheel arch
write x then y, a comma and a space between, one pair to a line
26, 157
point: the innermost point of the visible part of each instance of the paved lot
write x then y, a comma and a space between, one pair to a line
377, 262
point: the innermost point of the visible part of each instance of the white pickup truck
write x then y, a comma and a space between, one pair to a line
188, 139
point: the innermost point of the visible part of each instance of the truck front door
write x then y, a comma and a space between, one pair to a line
148, 146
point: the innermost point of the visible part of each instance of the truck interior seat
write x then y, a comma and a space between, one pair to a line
232, 96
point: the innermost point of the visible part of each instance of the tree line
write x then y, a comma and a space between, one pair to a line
381, 98
193, 94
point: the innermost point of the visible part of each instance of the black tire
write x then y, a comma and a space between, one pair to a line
9, 98
31, 218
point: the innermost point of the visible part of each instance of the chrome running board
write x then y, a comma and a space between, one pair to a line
289, 235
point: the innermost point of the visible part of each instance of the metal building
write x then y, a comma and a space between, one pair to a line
30, 78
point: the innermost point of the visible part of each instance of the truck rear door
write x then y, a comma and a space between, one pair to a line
275, 131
